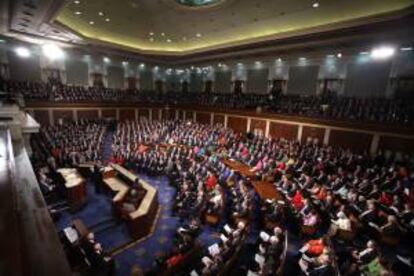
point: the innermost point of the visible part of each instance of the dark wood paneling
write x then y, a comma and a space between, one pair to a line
258, 124
88, 114
218, 119
189, 115
237, 123
313, 132
180, 115
396, 144
203, 118
155, 113
143, 113
127, 114
41, 116
62, 114
109, 113
279, 130
353, 140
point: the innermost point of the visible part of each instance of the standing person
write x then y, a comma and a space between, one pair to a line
97, 179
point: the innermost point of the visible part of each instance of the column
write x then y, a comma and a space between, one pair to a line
267, 130
249, 123
75, 114
300, 131
100, 113
326, 136
211, 118
136, 114
51, 119
117, 114
225, 121
374, 144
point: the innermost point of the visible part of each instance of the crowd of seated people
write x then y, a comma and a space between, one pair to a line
65, 145
326, 188
269, 252
184, 250
217, 257
322, 106
87, 252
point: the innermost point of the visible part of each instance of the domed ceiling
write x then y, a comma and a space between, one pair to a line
180, 27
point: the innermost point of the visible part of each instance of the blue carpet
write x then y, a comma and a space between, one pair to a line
97, 216
161, 241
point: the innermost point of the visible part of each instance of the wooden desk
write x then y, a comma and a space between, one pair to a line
266, 190
240, 168
75, 187
81, 228
141, 220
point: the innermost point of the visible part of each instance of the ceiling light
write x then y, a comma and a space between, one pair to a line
22, 52
162, 34
125, 63
219, 65
382, 52
101, 13
78, 12
339, 55
91, 22
279, 60
406, 49
106, 59
330, 56
107, 19
77, 2
142, 65
364, 53
315, 5
302, 58
198, 35
168, 40
151, 39
151, 33
184, 38
52, 51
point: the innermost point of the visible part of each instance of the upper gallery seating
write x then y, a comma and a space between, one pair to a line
389, 111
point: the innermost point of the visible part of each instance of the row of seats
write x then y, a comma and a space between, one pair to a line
392, 111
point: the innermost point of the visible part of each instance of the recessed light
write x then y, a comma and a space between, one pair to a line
101, 13
106, 59
315, 5
151, 33
406, 49
339, 55
77, 2
78, 12
198, 35
168, 40
162, 34
125, 63
107, 19
382, 52
91, 22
